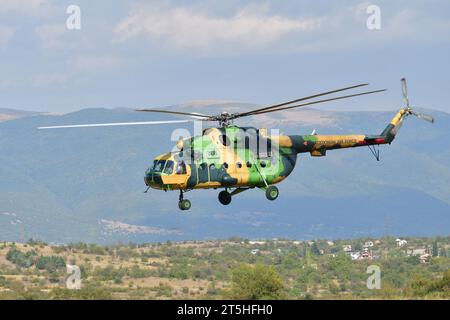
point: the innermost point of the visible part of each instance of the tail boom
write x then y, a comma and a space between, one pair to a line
391, 130
317, 145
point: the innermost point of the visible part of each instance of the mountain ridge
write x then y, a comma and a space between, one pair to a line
61, 184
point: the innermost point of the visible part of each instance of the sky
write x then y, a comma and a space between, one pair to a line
159, 53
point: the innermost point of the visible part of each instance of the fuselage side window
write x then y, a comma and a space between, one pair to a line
225, 140
169, 167
181, 168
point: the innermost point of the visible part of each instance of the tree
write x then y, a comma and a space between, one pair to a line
445, 282
437, 287
435, 249
256, 282
315, 249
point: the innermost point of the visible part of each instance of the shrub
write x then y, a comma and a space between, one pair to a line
258, 282
20, 259
50, 263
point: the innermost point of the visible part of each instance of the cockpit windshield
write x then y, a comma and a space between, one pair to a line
168, 167
165, 166
158, 165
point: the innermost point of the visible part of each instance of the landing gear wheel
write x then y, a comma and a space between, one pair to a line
224, 197
184, 204
272, 193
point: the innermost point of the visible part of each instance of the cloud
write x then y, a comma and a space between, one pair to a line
250, 26
24, 6
7, 83
75, 68
257, 28
94, 63
48, 79
51, 35
6, 33
414, 26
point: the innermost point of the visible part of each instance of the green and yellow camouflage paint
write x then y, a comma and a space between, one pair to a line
246, 157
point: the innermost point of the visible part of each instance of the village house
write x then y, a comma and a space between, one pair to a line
364, 254
253, 242
368, 244
423, 254
355, 255
400, 242
347, 247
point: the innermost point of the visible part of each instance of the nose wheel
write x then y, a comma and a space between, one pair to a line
183, 204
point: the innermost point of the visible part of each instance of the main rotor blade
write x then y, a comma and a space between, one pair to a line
320, 101
191, 114
298, 100
114, 124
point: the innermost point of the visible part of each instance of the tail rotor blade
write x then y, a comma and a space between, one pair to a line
425, 117
405, 92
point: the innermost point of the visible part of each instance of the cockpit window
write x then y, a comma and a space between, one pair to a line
181, 168
169, 167
158, 165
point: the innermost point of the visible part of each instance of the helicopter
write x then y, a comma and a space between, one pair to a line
236, 159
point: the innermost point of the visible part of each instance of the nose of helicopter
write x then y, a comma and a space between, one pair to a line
153, 179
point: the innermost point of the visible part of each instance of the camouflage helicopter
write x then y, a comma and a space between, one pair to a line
237, 159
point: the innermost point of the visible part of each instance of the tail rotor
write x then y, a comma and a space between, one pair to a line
409, 110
